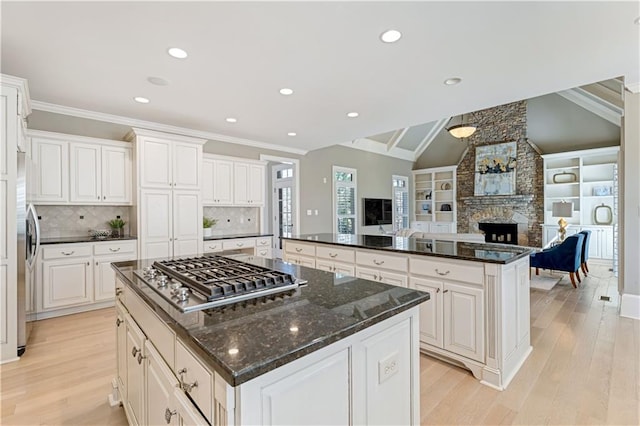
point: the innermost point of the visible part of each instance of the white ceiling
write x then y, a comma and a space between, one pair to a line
97, 57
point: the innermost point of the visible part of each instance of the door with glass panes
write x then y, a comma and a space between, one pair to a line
283, 204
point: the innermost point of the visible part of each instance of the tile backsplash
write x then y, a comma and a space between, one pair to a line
234, 220
75, 221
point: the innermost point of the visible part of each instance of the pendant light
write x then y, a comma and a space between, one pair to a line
461, 130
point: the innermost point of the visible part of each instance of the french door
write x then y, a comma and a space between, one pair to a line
283, 204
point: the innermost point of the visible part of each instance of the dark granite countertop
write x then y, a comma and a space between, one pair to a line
84, 239
231, 236
270, 333
477, 252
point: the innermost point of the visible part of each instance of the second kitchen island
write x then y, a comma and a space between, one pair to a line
478, 313
337, 350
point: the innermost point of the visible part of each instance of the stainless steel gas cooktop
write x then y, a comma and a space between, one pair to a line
195, 283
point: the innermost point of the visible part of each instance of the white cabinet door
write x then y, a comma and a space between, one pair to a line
606, 243
441, 227
104, 281
188, 415
160, 383
85, 174
121, 349
187, 223
241, 183
207, 182
223, 182
187, 158
393, 278
431, 321
155, 163
67, 283
286, 401
116, 175
463, 309
595, 242
135, 373
256, 188
51, 163
156, 224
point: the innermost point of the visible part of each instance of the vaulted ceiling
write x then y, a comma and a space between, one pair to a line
97, 56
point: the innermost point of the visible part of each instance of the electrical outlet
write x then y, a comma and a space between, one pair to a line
308, 212
387, 367
316, 212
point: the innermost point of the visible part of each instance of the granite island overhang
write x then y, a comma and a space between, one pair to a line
364, 327
478, 315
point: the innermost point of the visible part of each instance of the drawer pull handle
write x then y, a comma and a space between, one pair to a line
135, 351
212, 247
442, 273
187, 387
168, 414
114, 250
140, 358
118, 291
332, 255
378, 263
239, 244
68, 253
298, 249
118, 322
263, 252
446, 291
438, 290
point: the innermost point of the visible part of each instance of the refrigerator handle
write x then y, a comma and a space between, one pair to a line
31, 210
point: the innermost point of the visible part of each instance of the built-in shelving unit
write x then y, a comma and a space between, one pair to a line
588, 179
434, 201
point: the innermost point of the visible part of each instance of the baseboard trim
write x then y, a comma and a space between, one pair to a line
630, 306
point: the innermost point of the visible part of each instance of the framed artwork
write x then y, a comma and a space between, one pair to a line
495, 172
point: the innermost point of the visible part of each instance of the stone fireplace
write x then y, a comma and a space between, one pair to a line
525, 209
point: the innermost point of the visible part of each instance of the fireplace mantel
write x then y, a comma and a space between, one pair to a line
497, 199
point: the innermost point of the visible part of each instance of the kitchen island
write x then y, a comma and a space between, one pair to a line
336, 350
478, 314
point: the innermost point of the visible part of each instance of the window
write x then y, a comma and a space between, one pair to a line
400, 202
345, 206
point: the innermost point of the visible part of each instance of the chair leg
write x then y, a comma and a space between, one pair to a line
584, 268
578, 275
573, 280
537, 271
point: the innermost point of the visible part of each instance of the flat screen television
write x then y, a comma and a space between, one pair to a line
377, 211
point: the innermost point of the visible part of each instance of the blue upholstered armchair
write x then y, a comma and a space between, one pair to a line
585, 251
566, 256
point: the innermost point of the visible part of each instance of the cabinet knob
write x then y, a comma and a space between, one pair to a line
168, 414
135, 351
118, 322
118, 291
140, 358
438, 290
96, 263
88, 263
104, 197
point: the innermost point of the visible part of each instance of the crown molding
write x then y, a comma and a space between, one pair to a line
135, 132
23, 88
32, 133
151, 125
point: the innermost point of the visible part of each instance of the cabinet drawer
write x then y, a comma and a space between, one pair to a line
383, 261
336, 254
190, 371
263, 252
211, 246
114, 247
467, 272
263, 242
300, 248
156, 330
238, 244
64, 251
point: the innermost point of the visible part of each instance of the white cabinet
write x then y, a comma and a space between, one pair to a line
121, 351
336, 267
135, 353
160, 383
99, 174
389, 269
463, 309
105, 253
51, 164
431, 317
217, 182
187, 223
381, 275
248, 183
435, 198
69, 169
601, 242
67, 276
166, 162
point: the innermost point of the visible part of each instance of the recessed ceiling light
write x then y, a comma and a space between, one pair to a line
233, 351
141, 100
291, 134
293, 329
231, 120
286, 91
352, 114
158, 81
177, 53
452, 81
390, 36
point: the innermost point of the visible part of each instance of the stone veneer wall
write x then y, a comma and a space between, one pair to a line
501, 124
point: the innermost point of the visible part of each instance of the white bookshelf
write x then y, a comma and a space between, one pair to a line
434, 199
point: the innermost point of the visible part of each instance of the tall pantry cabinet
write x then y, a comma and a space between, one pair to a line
14, 108
168, 180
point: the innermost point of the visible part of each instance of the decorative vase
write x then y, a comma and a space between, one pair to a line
207, 232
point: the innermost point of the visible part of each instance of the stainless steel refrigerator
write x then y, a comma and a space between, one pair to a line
28, 245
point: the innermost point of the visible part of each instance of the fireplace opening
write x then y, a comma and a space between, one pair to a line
504, 233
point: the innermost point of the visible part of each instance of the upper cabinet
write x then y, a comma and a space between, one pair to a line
77, 170
229, 181
168, 161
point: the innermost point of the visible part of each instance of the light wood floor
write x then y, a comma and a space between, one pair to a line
584, 369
